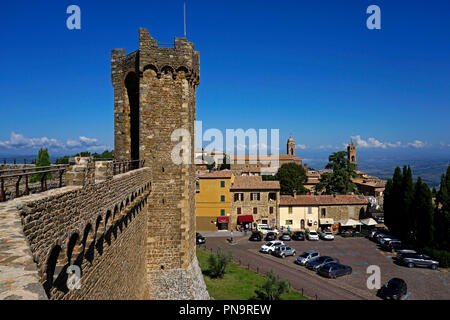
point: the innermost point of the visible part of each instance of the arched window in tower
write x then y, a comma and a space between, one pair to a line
132, 85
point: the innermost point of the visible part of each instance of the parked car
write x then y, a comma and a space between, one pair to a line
417, 260
283, 251
394, 289
401, 252
380, 236
320, 261
256, 236
285, 236
313, 235
387, 239
307, 256
327, 235
298, 235
264, 229
199, 239
392, 245
334, 270
270, 236
268, 247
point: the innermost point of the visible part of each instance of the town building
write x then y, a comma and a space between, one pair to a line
254, 200
239, 162
325, 211
213, 200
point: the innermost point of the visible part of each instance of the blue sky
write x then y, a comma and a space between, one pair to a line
309, 68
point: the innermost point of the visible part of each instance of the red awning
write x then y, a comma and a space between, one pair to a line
223, 219
244, 219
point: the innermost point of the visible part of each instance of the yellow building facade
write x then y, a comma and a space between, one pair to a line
213, 201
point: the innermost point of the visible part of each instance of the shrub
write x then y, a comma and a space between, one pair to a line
217, 263
43, 160
440, 255
272, 288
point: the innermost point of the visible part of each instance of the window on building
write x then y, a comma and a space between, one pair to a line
239, 210
222, 212
270, 210
289, 209
222, 184
222, 198
309, 210
288, 222
238, 197
255, 210
323, 212
255, 196
272, 196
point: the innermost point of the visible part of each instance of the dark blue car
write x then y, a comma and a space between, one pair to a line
320, 261
334, 270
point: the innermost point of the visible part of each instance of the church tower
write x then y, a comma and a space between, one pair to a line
291, 147
351, 152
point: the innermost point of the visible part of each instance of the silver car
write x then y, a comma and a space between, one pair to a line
283, 251
307, 256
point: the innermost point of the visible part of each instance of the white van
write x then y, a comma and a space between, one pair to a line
264, 228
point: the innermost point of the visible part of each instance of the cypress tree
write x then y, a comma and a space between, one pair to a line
422, 208
396, 201
408, 219
387, 204
442, 213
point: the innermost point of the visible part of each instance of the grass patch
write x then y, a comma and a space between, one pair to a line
238, 282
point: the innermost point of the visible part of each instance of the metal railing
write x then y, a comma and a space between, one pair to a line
23, 174
122, 166
15, 161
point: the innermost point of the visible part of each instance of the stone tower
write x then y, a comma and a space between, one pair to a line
291, 147
351, 152
155, 94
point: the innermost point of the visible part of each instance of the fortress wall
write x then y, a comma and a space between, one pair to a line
101, 227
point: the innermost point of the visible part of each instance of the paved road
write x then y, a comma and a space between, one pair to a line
359, 253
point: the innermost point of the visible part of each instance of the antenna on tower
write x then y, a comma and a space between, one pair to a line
185, 20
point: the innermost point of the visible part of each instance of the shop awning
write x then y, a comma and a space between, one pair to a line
368, 222
245, 219
349, 223
326, 221
223, 219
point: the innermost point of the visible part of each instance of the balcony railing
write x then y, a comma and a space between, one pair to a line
122, 166
15, 177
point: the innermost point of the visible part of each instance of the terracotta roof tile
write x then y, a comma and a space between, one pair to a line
254, 182
216, 174
312, 200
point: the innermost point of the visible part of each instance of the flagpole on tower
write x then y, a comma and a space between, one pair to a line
185, 20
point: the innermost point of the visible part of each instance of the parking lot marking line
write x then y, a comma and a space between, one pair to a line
407, 295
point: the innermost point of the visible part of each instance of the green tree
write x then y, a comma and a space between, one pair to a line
272, 288
43, 160
422, 210
407, 219
217, 263
442, 213
396, 204
388, 204
225, 163
339, 181
292, 177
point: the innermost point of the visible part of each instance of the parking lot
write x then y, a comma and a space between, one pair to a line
359, 253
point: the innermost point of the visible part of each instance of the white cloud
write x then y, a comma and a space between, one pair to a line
301, 146
19, 142
417, 144
375, 143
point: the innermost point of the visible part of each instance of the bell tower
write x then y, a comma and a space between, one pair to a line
351, 152
291, 147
